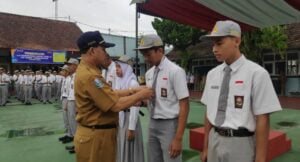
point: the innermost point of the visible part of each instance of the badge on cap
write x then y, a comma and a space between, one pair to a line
99, 83
239, 102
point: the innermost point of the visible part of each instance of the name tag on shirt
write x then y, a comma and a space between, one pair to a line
214, 87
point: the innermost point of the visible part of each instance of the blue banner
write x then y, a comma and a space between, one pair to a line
30, 56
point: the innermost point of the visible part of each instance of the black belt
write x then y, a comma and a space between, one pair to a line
241, 132
104, 126
126, 110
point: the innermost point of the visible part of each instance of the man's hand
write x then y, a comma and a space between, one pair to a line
145, 93
130, 135
137, 89
204, 155
175, 148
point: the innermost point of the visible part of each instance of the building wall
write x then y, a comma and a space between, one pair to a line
292, 85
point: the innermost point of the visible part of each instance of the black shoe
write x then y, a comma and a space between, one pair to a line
62, 138
67, 140
72, 151
44, 102
29, 103
70, 148
49, 102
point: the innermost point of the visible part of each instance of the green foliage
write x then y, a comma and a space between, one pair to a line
178, 35
272, 38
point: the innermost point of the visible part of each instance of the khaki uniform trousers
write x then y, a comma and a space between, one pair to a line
94, 145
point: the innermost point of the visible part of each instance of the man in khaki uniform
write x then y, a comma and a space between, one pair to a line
97, 104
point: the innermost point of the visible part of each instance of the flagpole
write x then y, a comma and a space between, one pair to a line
56, 9
136, 39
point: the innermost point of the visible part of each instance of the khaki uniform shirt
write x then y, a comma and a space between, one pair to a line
94, 97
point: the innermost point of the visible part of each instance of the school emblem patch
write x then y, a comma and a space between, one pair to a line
99, 83
239, 102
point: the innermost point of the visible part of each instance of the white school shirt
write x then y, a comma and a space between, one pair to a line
251, 93
58, 79
64, 88
46, 81
4, 78
171, 86
21, 79
71, 92
38, 78
27, 80
15, 77
110, 75
134, 112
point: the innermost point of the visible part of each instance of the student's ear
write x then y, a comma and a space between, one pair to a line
238, 41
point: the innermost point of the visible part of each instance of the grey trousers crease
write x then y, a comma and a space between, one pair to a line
46, 93
53, 86
58, 91
27, 93
230, 149
22, 96
17, 89
71, 107
130, 151
38, 90
161, 134
2, 95
6, 91
64, 103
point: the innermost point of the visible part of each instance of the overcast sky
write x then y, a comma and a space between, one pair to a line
101, 15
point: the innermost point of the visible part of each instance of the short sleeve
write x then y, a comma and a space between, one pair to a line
204, 98
264, 98
101, 93
180, 84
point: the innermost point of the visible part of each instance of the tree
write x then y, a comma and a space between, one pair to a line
178, 35
272, 38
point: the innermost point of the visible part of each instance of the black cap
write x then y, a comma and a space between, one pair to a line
92, 39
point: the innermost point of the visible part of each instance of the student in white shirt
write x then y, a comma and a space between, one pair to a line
46, 89
239, 97
38, 85
28, 80
64, 101
71, 106
169, 107
4, 80
130, 139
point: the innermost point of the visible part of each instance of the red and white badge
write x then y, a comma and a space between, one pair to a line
239, 82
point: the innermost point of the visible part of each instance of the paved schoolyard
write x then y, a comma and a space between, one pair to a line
30, 133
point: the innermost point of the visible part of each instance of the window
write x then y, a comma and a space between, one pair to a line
293, 64
268, 57
269, 67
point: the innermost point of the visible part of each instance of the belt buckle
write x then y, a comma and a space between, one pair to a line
228, 132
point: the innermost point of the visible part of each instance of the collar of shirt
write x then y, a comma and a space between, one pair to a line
236, 64
90, 67
162, 63
111, 66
